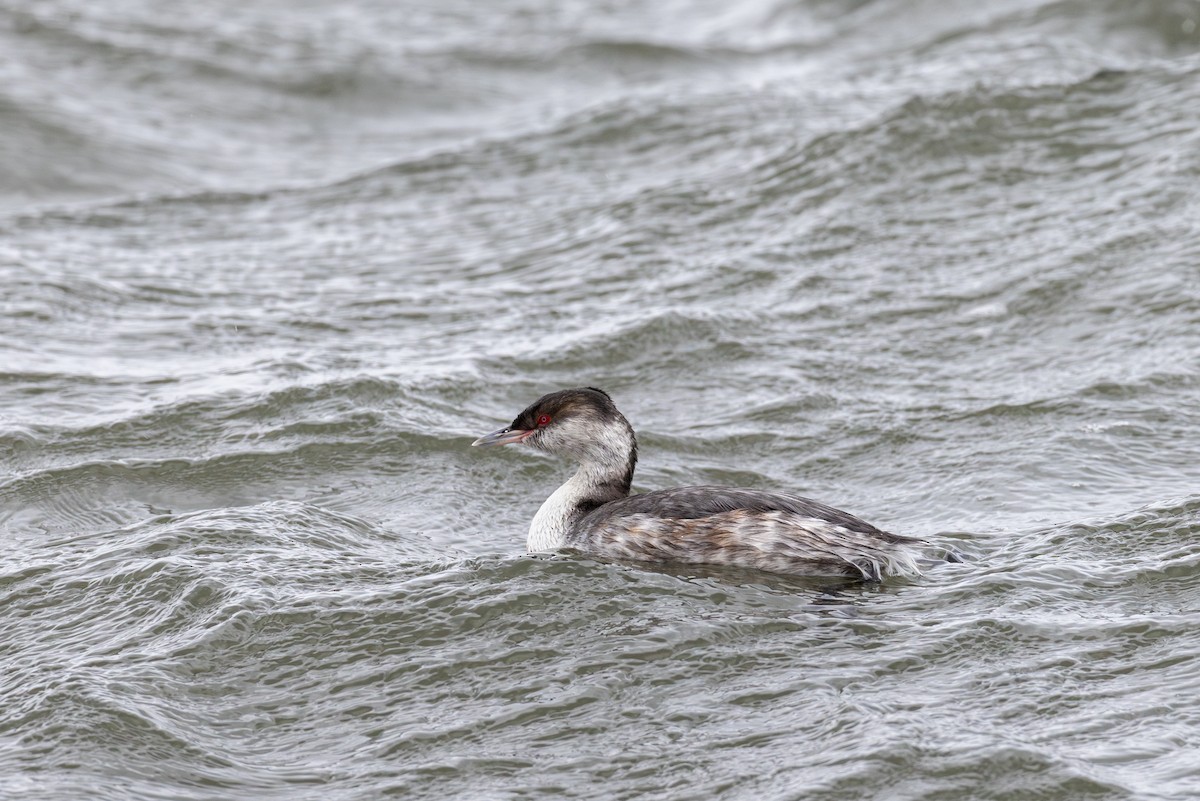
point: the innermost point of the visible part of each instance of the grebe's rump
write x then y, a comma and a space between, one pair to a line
594, 512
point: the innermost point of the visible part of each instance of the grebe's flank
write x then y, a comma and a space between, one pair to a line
593, 511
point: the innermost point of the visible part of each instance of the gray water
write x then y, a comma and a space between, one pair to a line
268, 268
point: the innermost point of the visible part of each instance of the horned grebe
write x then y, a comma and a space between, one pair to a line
594, 513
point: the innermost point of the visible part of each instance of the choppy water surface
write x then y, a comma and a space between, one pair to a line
268, 268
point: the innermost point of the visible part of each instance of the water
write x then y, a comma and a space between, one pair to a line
268, 268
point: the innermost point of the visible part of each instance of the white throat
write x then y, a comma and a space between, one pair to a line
558, 513
548, 531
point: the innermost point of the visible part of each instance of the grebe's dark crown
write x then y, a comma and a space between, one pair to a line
581, 401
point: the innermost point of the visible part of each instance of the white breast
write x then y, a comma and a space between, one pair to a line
548, 531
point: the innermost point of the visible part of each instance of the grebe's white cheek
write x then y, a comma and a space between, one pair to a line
566, 436
545, 440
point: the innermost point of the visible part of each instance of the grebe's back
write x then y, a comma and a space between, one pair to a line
768, 531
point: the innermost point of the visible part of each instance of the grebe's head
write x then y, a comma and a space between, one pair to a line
583, 424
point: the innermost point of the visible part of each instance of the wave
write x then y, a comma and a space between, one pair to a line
332, 440
233, 631
941, 132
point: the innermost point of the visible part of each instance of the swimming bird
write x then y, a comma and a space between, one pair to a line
594, 513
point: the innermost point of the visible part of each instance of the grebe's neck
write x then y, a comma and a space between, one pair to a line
605, 474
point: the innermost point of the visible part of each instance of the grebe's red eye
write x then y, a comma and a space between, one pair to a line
544, 420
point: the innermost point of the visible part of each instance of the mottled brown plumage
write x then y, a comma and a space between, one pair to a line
594, 513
